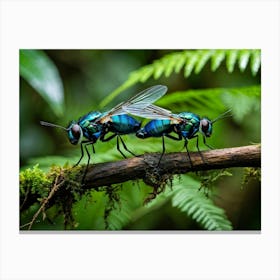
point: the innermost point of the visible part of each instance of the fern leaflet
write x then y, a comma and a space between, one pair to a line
192, 61
196, 205
215, 101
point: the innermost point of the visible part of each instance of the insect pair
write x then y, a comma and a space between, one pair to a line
95, 125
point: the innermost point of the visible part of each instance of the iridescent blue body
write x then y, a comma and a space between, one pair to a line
90, 130
186, 125
124, 124
189, 125
186, 128
155, 128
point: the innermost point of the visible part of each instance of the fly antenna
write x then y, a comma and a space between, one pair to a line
52, 125
223, 116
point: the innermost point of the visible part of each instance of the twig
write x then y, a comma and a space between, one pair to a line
45, 201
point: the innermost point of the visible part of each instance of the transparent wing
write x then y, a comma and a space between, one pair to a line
138, 102
153, 112
145, 97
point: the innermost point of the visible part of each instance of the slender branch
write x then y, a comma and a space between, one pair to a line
145, 166
109, 173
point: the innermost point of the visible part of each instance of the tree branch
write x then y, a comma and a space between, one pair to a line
145, 167
104, 174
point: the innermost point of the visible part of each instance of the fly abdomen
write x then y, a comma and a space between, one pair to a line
124, 124
155, 128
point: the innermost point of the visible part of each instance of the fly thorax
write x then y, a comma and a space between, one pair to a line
206, 127
93, 131
75, 133
189, 125
186, 129
185, 134
94, 127
181, 130
90, 117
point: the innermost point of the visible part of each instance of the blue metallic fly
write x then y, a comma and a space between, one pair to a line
96, 125
186, 125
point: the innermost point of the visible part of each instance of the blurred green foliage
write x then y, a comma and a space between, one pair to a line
40, 72
206, 82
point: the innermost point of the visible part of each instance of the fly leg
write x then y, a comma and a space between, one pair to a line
189, 156
163, 144
84, 144
88, 154
82, 152
125, 147
207, 145
163, 150
118, 147
102, 138
201, 155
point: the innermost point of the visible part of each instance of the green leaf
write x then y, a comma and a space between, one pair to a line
203, 59
170, 63
147, 73
243, 59
188, 199
242, 101
118, 218
159, 68
216, 100
217, 59
232, 56
180, 61
255, 61
190, 60
41, 73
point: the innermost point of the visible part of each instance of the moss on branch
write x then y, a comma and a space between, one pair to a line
63, 185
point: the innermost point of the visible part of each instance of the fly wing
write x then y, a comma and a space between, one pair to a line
138, 102
150, 112
154, 112
145, 97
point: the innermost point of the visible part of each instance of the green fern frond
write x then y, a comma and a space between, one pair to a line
232, 57
192, 61
119, 217
217, 59
187, 197
240, 100
123, 210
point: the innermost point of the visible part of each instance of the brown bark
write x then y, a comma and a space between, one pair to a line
109, 173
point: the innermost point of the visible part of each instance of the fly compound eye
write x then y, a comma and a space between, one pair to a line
206, 127
76, 131
75, 134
